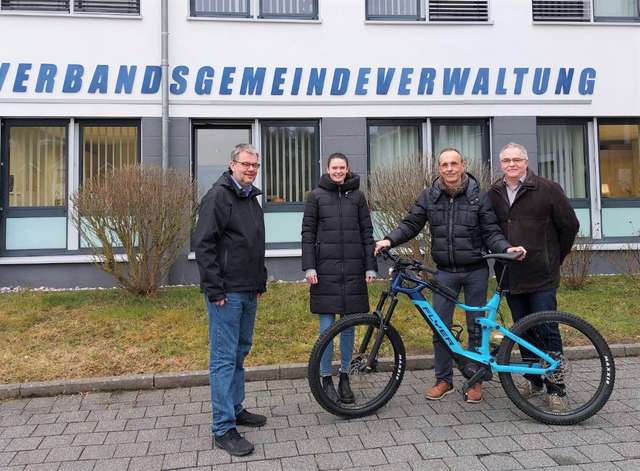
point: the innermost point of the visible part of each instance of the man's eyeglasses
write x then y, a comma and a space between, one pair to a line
248, 165
517, 161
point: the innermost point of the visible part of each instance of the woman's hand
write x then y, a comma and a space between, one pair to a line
312, 279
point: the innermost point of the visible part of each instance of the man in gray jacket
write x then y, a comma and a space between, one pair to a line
463, 225
229, 245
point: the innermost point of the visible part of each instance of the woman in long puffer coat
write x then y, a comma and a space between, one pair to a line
338, 260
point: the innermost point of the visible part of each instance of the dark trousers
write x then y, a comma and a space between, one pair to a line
546, 337
474, 284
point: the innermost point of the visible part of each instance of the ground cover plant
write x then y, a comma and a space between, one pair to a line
72, 334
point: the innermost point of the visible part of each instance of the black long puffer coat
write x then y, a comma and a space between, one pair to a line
337, 241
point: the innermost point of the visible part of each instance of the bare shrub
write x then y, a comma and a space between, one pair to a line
146, 213
627, 260
576, 267
394, 188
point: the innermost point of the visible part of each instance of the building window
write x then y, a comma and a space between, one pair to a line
616, 10
286, 9
77, 6
393, 140
290, 156
562, 155
428, 10
34, 165
403, 10
107, 146
581, 10
471, 137
213, 143
619, 159
233, 8
111, 6
35, 5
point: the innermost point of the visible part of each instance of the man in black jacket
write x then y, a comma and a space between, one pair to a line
229, 241
463, 225
534, 212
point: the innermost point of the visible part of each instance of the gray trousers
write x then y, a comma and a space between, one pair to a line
474, 284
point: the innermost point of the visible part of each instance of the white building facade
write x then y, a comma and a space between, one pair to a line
81, 92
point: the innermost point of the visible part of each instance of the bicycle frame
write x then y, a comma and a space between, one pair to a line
487, 324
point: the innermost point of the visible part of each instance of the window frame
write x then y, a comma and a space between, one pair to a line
34, 211
417, 122
577, 203
615, 19
423, 15
215, 124
41, 9
590, 19
633, 202
125, 123
485, 140
312, 16
408, 18
71, 9
254, 11
193, 14
289, 207
104, 12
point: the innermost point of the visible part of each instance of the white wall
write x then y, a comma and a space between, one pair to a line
341, 39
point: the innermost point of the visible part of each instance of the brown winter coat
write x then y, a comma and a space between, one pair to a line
541, 220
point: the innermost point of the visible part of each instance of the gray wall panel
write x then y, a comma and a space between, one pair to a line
346, 135
55, 276
519, 129
151, 141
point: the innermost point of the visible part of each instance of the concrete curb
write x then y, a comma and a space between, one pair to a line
201, 378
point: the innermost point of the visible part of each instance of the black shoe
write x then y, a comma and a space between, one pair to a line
233, 443
344, 390
329, 388
248, 419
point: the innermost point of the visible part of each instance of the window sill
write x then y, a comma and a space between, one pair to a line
269, 253
56, 14
253, 20
427, 23
55, 259
586, 23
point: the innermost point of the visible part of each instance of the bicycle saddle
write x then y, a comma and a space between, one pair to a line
507, 257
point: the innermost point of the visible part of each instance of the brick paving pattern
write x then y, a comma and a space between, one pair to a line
169, 429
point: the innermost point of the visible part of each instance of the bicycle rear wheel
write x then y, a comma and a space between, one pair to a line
576, 390
373, 386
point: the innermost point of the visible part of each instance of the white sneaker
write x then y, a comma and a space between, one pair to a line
558, 403
528, 390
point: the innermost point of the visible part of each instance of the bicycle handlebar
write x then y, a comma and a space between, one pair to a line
404, 263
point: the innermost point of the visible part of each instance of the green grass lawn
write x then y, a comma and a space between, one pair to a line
73, 334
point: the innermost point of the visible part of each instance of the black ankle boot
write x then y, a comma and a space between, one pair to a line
329, 388
344, 389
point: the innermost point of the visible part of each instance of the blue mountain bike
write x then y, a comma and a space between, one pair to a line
581, 370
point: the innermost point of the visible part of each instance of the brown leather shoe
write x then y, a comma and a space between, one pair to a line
474, 394
440, 390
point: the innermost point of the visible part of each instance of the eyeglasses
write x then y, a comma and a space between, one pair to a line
517, 161
248, 165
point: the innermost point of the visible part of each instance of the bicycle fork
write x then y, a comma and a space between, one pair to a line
371, 361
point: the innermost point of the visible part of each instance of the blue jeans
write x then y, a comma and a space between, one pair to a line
546, 337
230, 337
474, 284
346, 346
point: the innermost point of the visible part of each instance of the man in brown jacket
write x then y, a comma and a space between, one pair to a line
535, 213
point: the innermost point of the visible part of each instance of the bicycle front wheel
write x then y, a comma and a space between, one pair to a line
374, 371
574, 391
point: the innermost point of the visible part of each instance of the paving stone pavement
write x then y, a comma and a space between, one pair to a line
169, 429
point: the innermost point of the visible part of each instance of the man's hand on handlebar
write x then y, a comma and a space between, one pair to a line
381, 245
520, 249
